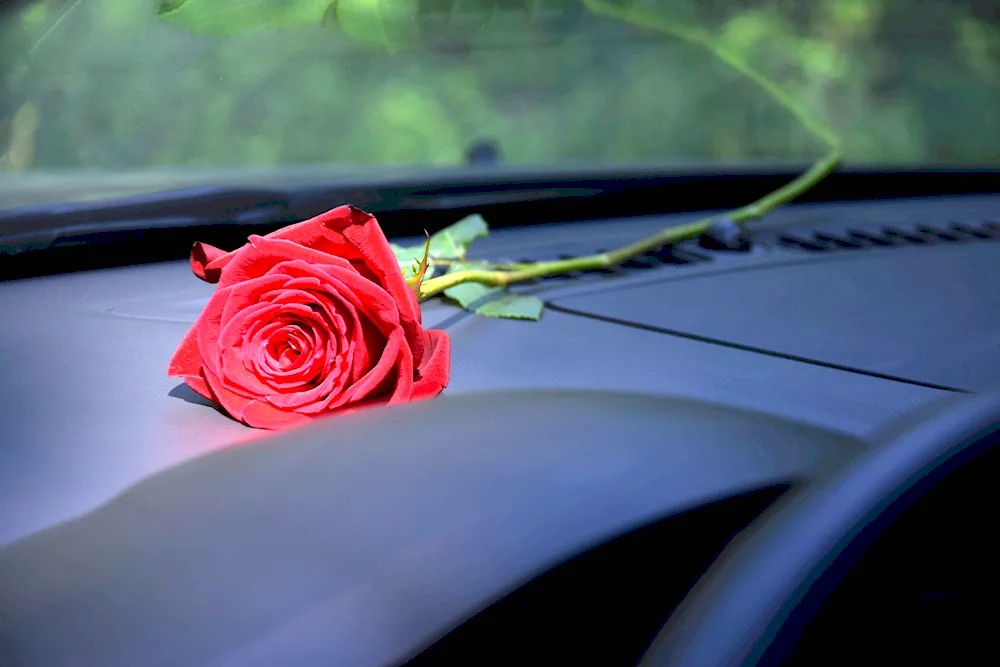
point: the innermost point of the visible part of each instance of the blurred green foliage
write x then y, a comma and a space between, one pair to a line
120, 84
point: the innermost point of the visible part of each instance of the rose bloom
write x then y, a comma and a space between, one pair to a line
312, 319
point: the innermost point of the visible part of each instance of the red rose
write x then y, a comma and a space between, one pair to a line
312, 319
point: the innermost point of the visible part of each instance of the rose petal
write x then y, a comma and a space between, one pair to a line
242, 295
262, 254
312, 361
263, 415
235, 374
369, 298
352, 234
231, 402
396, 364
202, 255
261, 337
317, 233
367, 351
253, 412
186, 364
311, 319
231, 370
369, 332
330, 385
343, 316
208, 325
434, 372
232, 330
392, 375
344, 232
369, 240
186, 359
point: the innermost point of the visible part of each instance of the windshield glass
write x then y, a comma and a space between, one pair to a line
170, 92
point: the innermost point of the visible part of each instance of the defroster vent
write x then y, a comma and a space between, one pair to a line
889, 237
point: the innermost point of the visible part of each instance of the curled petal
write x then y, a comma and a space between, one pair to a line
205, 261
391, 378
434, 371
363, 294
369, 241
357, 339
262, 254
262, 354
235, 374
247, 293
186, 359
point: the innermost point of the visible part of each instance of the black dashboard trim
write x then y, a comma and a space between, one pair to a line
160, 227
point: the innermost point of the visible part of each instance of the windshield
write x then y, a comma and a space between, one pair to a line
171, 92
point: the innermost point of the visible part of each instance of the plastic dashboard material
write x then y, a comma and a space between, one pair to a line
929, 315
87, 410
359, 543
88, 413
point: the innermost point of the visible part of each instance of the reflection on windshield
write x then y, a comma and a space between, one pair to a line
111, 86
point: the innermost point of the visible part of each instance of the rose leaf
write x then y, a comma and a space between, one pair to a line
493, 301
454, 240
513, 306
389, 24
228, 17
406, 255
469, 295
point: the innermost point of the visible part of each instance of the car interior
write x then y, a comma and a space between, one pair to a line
688, 464
770, 443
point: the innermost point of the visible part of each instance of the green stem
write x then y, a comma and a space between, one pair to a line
648, 18
436, 261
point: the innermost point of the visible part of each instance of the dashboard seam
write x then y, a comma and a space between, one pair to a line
756, 350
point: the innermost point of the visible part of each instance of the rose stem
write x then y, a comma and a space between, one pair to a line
648, 18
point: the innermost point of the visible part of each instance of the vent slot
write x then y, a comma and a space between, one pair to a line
854, 239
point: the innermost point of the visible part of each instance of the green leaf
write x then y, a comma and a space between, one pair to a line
454, 240
228, 17
495, 301
513, 306
405, 255
390, 24
492, 301
467, 294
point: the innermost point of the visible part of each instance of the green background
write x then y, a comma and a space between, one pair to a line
109, 84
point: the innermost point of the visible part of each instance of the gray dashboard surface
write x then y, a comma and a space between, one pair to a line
87, 410
924, 314
360, 541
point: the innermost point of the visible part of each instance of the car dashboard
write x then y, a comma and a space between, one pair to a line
649, 416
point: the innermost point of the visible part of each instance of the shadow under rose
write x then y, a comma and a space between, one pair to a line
186, 393
207, 433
